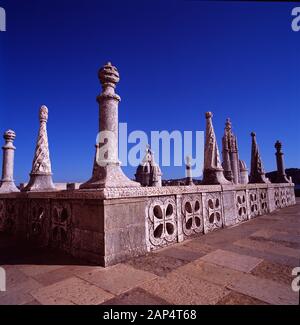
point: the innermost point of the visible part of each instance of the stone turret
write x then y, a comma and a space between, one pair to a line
235, 170
230, 154
244, 177
281, 175
41, 174
213, 171
148, 172
257, 174
107, 171
7, 184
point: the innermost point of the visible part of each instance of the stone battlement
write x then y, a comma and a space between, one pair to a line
111, 225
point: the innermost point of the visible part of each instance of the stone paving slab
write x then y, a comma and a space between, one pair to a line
33, 270
235, 298
51, 277
276, 272
136, 296
117, 279
209, 272
178, 289
19, 294
264, 233
265, 290
181, 253
271, 257
157, 264
232, 260
73, 291
269, 247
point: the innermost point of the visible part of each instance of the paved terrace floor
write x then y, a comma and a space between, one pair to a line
248, 264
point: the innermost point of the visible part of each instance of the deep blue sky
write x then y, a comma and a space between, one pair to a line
177, 59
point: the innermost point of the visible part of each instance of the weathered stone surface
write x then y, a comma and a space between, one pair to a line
235, 298
176, 288
269, 247
136, 296
117, 279
200, 269
73, 291
157, 264
231, 260
266, 290
276, 272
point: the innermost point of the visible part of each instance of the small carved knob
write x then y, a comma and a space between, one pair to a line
278, 146
9, 136
44, 113
109, 75
208, 115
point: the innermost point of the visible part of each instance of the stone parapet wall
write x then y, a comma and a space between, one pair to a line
111, 225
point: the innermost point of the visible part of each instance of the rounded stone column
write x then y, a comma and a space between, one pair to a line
281, 175
107, 171
7, 181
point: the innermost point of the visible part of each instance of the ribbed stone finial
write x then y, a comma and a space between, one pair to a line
213, 171
257, 174
41, 174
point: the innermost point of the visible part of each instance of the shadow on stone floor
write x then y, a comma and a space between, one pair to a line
15, 253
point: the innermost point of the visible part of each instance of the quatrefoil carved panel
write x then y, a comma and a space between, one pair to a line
263, 201
162, 221
61, 234
213, 215
192, 215
277, 198
254, 203
241, 205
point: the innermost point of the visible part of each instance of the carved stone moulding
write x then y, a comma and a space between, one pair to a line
192, 215
241, 206
161, 222
61, 225
213, 211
